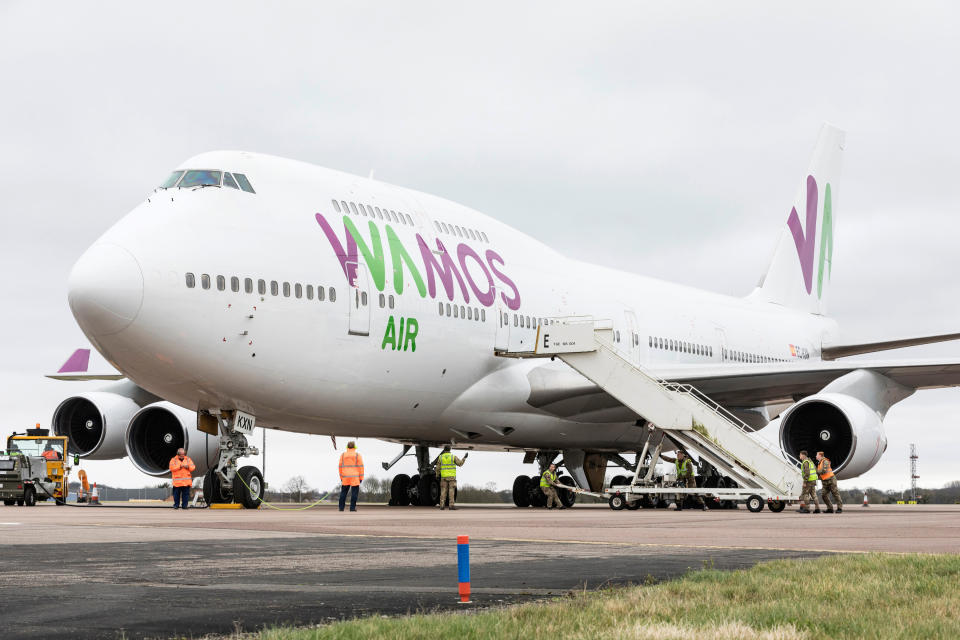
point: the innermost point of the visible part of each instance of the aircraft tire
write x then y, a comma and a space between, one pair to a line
212, 491
567, 498
400, 490
428, 491
413, 490
521, 496
251, 477
537, 497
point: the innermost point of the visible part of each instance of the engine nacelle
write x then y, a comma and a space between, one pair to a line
159, 429
845, 428
95, 422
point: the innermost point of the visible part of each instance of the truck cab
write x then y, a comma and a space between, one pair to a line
33, 467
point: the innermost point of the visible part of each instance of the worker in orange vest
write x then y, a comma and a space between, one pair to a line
351, 475
50, 453
828, 483
181, 470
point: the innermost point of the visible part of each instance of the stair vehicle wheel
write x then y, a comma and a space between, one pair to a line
537, 497
647, 502
617, 502
755, 504
567, 498
633, 506
776, 505
400, 490
29, 496
248, 487
521, 491
213, 488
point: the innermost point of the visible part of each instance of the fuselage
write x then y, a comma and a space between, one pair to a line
327, 303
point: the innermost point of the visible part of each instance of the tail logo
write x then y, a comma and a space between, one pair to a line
805, 242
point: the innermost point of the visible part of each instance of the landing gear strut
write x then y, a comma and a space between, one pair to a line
226, 483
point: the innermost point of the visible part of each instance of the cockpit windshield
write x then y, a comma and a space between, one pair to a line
190, 178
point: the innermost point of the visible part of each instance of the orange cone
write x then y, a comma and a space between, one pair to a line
866, 502
95, 495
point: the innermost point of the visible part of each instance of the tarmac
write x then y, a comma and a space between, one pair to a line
153, 572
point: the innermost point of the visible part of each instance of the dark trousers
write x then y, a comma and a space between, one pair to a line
354, 492
181, 495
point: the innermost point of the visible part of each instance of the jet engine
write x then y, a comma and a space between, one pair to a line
95, 422
159, 429
845, 428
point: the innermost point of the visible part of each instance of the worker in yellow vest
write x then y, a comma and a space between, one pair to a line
548, 484
808, 473
446, 469
686, 478
828, 483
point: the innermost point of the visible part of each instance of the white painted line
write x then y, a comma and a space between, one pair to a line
10, 523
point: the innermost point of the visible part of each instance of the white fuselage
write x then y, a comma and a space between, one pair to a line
304, 364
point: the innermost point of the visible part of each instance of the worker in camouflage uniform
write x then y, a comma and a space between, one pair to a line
686, 478
548, 484
808, 472
446, 469
828, 483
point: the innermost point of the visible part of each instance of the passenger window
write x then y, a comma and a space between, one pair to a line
172, 180
441, 308
437, 224
353, 208
205, 281
448, 309
363, 298
383, 301
344, 207
459, 231
514, 319
393, 214
390, 301
244, 183
248, 285
200, 178
320, 293
456, 311
333, 294
409, 219
298, 290
309, 292
274, 288
379, 214
469, 313
228, 181
485, 238
336, 205
262, 287
483, 315
473, 236
191, 281
234, 284
286, 289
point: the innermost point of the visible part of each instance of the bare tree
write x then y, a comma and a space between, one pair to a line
297, 485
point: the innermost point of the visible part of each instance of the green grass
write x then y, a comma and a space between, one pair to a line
850, 596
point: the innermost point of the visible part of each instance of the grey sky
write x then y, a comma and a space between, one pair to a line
664, 140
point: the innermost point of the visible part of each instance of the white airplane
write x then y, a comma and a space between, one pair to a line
253, 290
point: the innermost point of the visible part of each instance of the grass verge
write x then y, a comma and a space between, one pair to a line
852, 596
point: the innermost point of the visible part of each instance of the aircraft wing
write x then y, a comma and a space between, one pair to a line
565, 393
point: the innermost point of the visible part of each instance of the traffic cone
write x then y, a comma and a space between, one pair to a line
95, 495
866, 502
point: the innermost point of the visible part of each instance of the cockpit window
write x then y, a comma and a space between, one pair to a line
200, 178
244, 183
228, 181
172, 180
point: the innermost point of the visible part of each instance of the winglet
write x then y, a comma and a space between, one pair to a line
77, 363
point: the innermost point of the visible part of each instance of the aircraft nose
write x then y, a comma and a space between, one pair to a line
105, 289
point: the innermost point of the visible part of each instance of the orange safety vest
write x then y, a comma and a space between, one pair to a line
51, 455
824, 474
181, 471
351, 468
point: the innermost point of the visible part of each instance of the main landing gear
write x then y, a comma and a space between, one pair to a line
226, 483
527, 492
422, 489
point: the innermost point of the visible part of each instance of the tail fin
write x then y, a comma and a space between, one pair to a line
799, 274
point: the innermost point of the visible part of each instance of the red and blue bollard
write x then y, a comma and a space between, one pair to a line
463, 567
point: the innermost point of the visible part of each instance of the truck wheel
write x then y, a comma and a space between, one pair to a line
29, 496
9, 503
617, 502
776, 505
755, 504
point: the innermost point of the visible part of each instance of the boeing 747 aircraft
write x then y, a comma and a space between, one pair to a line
250, 290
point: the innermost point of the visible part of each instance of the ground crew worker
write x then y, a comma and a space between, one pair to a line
351, 475
686, 477
50, 453
548, 484
446, 469
181, 470
808, 473
828, 483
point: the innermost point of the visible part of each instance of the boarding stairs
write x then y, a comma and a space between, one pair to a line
683, 413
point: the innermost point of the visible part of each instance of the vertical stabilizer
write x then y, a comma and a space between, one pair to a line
799, 274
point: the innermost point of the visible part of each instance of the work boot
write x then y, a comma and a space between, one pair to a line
829, 510
839, 509
803, 510
453, 508
442, 507
817, 511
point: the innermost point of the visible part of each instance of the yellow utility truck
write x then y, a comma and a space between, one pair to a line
34, 467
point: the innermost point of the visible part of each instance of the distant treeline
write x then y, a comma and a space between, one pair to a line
948, 494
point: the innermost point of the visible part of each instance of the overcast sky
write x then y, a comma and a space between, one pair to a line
666, 141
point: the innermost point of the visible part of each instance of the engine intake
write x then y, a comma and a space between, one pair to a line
848, 431
158, 430
95, 423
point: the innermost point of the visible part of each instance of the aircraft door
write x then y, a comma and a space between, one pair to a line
633, 337
359, 300
720, 346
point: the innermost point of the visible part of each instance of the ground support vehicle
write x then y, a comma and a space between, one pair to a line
33, 468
